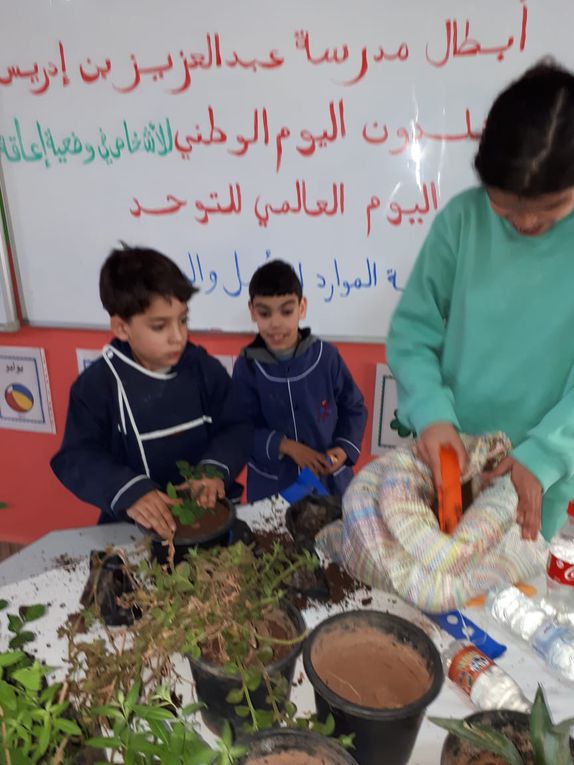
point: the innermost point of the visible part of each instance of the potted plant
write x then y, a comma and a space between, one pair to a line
223, 607
196, 525
379, 692
505, 737
242, 638
296, 747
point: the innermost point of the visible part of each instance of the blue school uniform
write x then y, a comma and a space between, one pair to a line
127, 427
310, 398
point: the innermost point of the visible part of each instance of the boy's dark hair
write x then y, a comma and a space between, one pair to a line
131, 277
527, 146
275, 278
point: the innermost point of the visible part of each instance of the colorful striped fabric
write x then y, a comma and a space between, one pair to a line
390, 538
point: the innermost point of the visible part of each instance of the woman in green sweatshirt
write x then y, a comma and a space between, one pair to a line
483, 337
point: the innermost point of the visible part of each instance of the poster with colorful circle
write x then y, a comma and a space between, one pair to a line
25, 401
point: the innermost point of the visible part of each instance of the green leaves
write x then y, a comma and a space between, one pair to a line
482, 737
551, 743
31, 613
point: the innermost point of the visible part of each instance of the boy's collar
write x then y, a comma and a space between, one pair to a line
258, 350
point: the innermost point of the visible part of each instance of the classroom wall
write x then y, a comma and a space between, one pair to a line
37, 503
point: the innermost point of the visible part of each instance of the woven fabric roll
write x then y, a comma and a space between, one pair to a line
390, 537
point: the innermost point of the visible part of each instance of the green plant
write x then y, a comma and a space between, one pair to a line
158, 732
550, 741
221, 603
188, 511
36, 724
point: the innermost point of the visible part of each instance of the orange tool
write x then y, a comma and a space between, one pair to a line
450, 493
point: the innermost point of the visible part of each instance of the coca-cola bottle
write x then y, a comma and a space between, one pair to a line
560, 571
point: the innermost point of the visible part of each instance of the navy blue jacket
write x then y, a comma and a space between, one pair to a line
127, 427
310, 398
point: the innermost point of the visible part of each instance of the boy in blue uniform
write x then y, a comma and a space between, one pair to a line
153, 398
300, 396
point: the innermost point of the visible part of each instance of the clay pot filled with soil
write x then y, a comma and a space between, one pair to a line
375, 673
293, 747
211, 529
514, 725
213, 683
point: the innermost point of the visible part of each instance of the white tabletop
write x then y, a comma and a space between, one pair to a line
39, 574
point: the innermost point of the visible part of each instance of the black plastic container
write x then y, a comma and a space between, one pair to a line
269, 742
212, 684
108, 580
306, 517
514, 725
219, 537
382, 736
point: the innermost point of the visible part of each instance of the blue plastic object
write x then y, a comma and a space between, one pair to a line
462, 628
306, 483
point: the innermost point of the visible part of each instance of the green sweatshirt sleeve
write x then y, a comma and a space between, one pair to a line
548, 449
417, 333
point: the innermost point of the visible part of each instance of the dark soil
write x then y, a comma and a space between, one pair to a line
212, 520
330, 584
463, 753
305, 518
66, 562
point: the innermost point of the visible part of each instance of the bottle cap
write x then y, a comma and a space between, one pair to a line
571, 508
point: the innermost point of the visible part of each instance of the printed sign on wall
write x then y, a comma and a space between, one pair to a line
25, 401
388, 431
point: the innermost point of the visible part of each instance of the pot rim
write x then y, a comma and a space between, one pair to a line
297, 619
343, 757
187, 541
375, 713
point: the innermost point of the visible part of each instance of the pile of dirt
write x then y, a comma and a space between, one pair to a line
326, 584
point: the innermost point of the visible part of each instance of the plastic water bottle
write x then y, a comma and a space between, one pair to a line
520, 615
480, 678
560, 571
535, 622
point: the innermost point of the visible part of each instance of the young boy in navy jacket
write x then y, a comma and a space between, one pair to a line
152, 399
300, 396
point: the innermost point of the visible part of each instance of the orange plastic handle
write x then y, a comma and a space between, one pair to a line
450, 493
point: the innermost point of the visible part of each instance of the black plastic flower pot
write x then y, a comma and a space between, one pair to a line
514, 725
108, 580
383, 735
265, 745
212, 684
219, 537
306, 517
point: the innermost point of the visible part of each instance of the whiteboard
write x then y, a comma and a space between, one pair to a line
223, 133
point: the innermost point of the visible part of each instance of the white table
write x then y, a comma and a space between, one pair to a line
34, 576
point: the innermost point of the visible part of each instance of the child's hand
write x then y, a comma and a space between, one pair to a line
152, 512
529, 490
206, 490
338, 458
305, 457
427, 448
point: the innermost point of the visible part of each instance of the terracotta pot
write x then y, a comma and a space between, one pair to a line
392, 670
294, 747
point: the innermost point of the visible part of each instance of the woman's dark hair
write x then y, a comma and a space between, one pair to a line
527, 146
275, 278
133, 276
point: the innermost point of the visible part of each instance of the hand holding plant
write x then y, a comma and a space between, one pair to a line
202, 487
